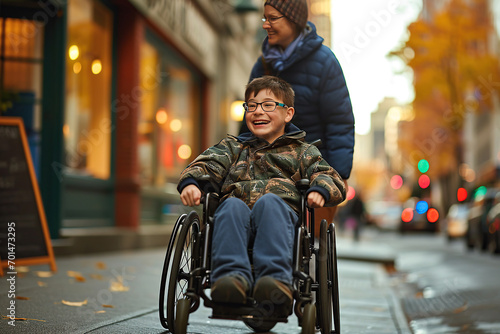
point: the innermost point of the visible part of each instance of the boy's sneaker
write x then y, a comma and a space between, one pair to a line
273, 296
230, 289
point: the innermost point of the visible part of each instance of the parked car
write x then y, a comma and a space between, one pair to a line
493, 223
477, 227
418, 221
385, 215
455, 224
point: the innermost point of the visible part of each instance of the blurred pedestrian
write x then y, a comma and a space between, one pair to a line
294, 51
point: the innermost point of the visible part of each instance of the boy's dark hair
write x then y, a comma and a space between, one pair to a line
279, 87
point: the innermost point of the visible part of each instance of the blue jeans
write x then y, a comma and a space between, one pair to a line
271, 224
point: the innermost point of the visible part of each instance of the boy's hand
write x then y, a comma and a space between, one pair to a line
315, 200
191, 195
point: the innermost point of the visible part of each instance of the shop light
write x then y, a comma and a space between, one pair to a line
432, 215
77, 67
96, 66
421, 207
184, 151
73, 52
237, 111
424, 181
175, 125
161, 116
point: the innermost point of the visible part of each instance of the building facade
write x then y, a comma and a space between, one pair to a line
118, 96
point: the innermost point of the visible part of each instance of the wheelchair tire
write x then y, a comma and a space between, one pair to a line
323, 294
333, 278
182, 316
179, 261
259, 324
309, 319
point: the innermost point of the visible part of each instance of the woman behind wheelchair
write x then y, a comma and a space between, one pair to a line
256, 174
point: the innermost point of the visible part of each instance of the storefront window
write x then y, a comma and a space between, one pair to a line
87, 127
169, 126
21, 51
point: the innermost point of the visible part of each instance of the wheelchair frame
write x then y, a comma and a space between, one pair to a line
186, 275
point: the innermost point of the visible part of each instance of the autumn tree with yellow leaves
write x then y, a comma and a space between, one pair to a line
455, 71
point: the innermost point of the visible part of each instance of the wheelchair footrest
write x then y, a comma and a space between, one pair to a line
241, 312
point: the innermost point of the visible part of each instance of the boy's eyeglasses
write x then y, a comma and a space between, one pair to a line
267, 106
272, 20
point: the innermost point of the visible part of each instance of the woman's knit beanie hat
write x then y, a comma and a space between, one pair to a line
294, 10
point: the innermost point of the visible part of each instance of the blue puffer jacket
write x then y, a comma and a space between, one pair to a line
322, 103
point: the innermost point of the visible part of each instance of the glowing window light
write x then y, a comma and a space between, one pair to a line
175, 125
421, 207
396, 182
407, 215
432, 215
423, 166
96, 66
184, 152
424, 181
350, 193
161, 116
237, 111
77, 67
461, 194
73, 52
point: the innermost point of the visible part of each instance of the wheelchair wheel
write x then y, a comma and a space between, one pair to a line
333, 279
309, 319
179, 261
323, 295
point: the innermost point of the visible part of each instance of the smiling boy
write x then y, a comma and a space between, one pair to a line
255, 174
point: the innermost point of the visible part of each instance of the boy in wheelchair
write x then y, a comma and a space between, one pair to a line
255, 175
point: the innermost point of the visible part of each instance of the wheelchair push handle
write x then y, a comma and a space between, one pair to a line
302, 185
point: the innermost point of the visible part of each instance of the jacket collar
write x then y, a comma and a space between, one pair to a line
291, 132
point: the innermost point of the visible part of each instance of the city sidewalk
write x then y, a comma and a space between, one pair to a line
118, 293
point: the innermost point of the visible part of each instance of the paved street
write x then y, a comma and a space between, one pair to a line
438, 287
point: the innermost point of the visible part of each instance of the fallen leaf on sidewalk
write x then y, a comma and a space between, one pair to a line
40, 283
65, 302
461, 308
118, 285
96, 276
419, 294
22, 298
22, 319
109, 306
44, 273
22, 269
101, 311
101, 265
76, 275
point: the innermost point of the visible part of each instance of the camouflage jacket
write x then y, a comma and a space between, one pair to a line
247, 167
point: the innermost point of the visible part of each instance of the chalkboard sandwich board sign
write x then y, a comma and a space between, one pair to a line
24, 235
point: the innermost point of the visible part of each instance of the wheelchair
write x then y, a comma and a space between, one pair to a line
186, 275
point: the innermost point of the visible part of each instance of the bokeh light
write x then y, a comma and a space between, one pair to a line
480, 192
184, 152
396, 182
407, 215
73, 52
423, 166
350, 193
421, 207
161, 116
237, 111
432, 215
424, 181
96, 66
461, 194
175, 125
